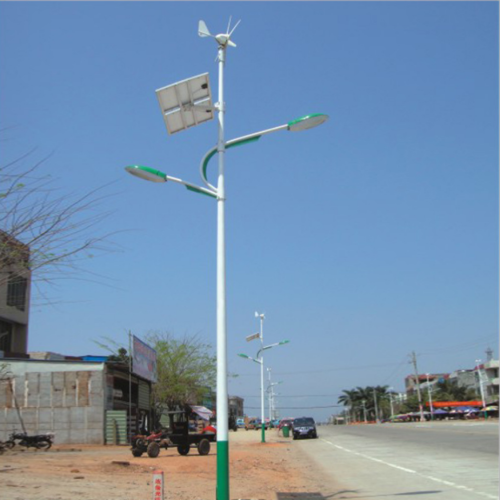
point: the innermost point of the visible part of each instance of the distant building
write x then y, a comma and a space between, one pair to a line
468, 378
423, 379
465, 378
236, 406
15, 286
490, 380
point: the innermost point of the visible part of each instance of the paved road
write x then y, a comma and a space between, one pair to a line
435, 460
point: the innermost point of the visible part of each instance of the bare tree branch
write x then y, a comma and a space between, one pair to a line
42, 231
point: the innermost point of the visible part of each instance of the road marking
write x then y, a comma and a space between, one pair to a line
410, 471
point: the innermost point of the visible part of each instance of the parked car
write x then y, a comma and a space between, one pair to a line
275, 423
255, 423
285, 422
304, 427
240, 422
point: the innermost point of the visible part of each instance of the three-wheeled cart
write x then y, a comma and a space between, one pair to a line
177, 435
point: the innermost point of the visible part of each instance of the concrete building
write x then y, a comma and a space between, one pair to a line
80, 401
465, 378
236, 406
490, 380
15, 286
433, 379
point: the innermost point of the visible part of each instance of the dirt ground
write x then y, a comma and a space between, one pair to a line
275, 470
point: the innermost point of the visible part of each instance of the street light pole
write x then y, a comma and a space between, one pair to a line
377, 419
481, 388
270, 391
269, 396
222, 492
262, 404
259, 359
417, 380
390, 401
429, 392
180, 114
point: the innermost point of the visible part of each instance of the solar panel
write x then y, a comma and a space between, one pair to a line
186, 104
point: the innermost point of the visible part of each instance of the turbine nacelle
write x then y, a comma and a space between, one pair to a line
222, 39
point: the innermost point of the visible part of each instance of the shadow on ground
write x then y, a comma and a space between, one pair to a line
347, 495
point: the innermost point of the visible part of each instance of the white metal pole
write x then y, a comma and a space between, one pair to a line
429, 392
377, 419
269, 396
262, 404
222, 396
480, 380
130, 355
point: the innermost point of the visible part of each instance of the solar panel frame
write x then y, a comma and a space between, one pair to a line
186, 104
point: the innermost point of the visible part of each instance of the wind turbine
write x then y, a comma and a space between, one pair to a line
222, 39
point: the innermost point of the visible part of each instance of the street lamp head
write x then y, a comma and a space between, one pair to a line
146, 173
244, 356
306, 122
284, 342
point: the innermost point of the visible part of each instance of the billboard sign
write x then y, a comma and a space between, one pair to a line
143, 359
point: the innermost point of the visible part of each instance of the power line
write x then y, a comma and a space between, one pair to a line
303, 396
448, 350
296, 407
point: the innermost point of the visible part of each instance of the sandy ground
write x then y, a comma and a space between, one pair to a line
275, 470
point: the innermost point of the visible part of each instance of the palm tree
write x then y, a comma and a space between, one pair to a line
354, 398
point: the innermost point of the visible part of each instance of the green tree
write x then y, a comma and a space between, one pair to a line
185, 369
451, 391
363, 398
411, 404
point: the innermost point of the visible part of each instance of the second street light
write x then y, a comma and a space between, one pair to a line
259, 359
270, 396
186, 104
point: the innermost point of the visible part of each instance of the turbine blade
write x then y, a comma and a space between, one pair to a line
232, 44
229, 24
203, 30
234, 27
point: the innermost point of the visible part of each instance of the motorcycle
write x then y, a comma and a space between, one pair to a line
39, 441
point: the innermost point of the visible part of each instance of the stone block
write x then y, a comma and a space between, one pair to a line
76, 417
44, 416
95, 415
61, 418
61, 436
95, 436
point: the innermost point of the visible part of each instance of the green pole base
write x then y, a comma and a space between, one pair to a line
222, 488
263, 433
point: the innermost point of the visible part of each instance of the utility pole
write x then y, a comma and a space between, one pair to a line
481, 388
377, 419
392, 405
414, 360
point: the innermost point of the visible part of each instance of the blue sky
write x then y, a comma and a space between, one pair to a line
363, 240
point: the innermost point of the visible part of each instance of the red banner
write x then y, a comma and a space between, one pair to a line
442, 404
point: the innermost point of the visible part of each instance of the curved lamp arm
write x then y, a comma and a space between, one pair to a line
283, 342
302, 123
151, 174
258, 361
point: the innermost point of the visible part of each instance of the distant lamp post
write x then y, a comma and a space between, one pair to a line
259, 359
480, 383
270, 395
429, 392
390, 401
377, 419
364, 410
